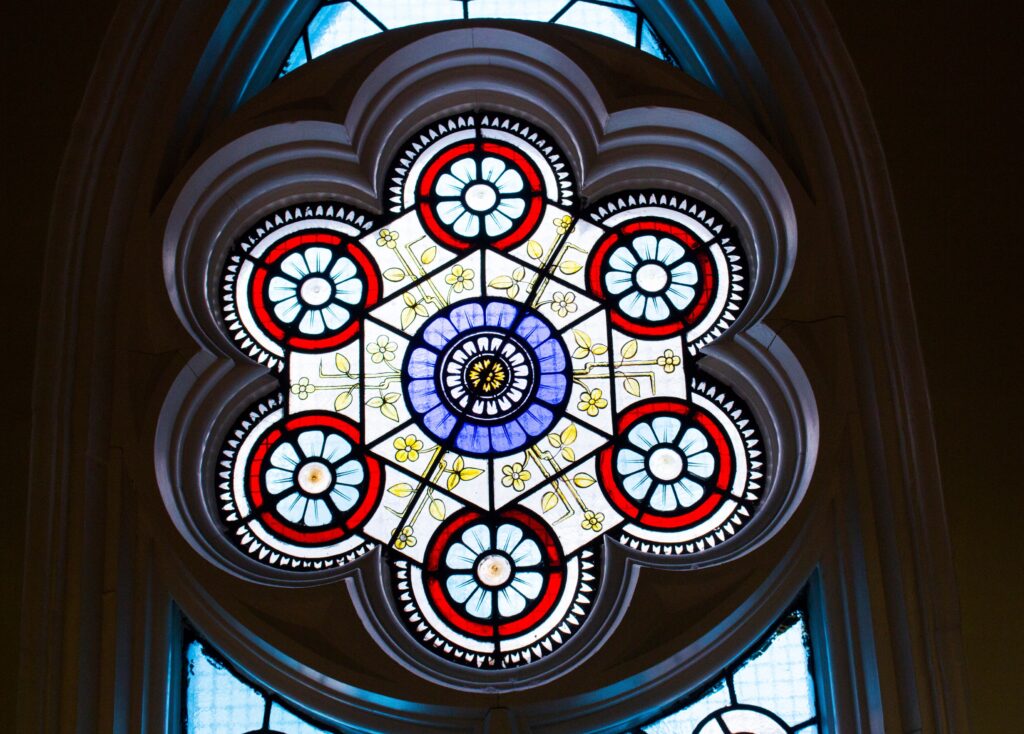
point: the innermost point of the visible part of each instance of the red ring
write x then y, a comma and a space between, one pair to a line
553, 586
645, 517
356, 518
693, 313
269, 323
534, 195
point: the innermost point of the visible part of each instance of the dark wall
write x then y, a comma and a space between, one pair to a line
943, 83
49, 52
940, 84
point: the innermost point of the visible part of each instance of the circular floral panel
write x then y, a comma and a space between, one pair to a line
492, 384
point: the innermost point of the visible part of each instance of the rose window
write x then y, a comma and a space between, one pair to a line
490, 385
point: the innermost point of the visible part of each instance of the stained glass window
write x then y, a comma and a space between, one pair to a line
486, 383
219, 700
337, 23
769, 691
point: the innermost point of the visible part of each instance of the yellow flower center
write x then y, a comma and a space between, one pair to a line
487, 375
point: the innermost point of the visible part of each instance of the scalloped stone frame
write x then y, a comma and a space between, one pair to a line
700, 156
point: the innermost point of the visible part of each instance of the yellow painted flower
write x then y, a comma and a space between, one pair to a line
303, 388
460, 279
408, 448
591, 402
405, 538
382, 350
562, 224
564, 303
515, 476
592, 521
669, 361
387, 238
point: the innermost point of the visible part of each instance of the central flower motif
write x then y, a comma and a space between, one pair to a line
494, 571
651, 277
314, 477
485, 195
487, 376
315, 290
665, 463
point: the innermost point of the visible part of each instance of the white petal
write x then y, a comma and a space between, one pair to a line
312, 322
701, 465
510, 602
528, 583
281, 288
278, 480
657, 309
344, 496
294, 266
666, 428
669, 251
468, 225
449, 211
681, 296
693, 442
312, 444
478, 539
662, 499
629, 461
617, 281
642, 436
464, 169
688, 492
317, 259
491, 168
351, 472
349, 291
335, 316
646, 247
497, 224
342, 270
448, 185
287, 309
480, 604
510, 182
622, 259
460, 557
685, 273
317, 513
527, 553
507, 537
292, 507
336, 448
512, 207
461, 585
285, 457
637, 484
633, 304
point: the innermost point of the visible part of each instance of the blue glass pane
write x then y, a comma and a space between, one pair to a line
285, 721
779, 678
216, 701
619, 25
296, 58
542, 10
686, 720
649, 42
399, 13
337, 25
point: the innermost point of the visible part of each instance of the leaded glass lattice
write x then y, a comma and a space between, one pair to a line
770, 690
486, 383
219, 700
338, 23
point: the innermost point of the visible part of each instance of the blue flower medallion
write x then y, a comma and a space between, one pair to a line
487, 377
